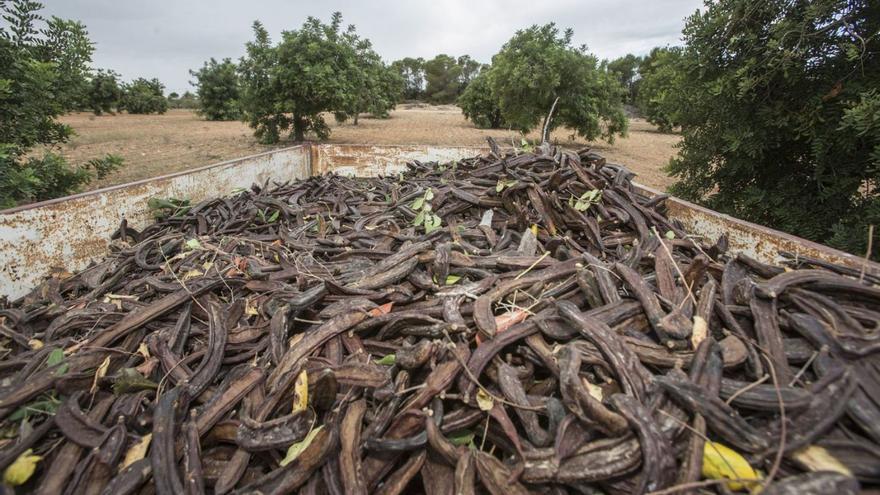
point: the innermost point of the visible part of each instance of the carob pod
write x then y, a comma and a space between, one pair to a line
577, 348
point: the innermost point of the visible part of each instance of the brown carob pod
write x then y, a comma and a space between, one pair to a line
535, 340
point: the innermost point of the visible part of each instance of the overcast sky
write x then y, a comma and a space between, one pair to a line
166, 38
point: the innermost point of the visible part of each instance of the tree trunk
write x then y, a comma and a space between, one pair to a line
356, 118
299, 128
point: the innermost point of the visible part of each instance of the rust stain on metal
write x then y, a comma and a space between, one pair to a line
757, 241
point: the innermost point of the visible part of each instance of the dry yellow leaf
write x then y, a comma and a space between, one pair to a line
700, 331
191, 275
21, 469
301, 392
36, 344
594, 390
484, 400
101, 373
249, 308
296, 338
143, 351
137, 451
720, 462
817, 458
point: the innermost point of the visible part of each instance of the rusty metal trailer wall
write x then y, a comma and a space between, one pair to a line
69, 233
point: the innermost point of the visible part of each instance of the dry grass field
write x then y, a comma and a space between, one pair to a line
154, 145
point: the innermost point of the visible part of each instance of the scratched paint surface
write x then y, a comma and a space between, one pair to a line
70, 233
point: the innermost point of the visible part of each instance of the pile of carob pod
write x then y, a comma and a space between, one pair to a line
519, 322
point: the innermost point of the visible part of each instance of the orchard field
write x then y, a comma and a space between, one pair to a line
154, 145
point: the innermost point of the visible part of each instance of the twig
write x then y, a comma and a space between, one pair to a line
474, 379
527, 270
867, 252
545, 133
182, 284
803, 369
311, 322
746, 389
410, 389
782, 427
675, 265
485, 432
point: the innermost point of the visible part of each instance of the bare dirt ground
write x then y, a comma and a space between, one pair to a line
154, 145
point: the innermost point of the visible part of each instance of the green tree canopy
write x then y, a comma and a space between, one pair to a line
105, 92
40, 79
308, 79
259, 97
540, 64
443, 79
479, 105
217, 88
67, 45
626, 69
412, 70
144, 96
469, 69
658, 97
308, 76
780, 115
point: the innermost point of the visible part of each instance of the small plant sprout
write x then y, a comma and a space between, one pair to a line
425, 217
586, 200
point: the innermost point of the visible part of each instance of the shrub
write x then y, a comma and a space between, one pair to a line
780, 115
144, 96
315, 69
186, 100
376, 87
479, 104
217, 88
105, 94
36, 179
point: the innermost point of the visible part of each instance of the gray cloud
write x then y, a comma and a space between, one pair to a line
166, 38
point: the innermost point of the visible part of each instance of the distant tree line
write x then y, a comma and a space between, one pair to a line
286, 87
440, 80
